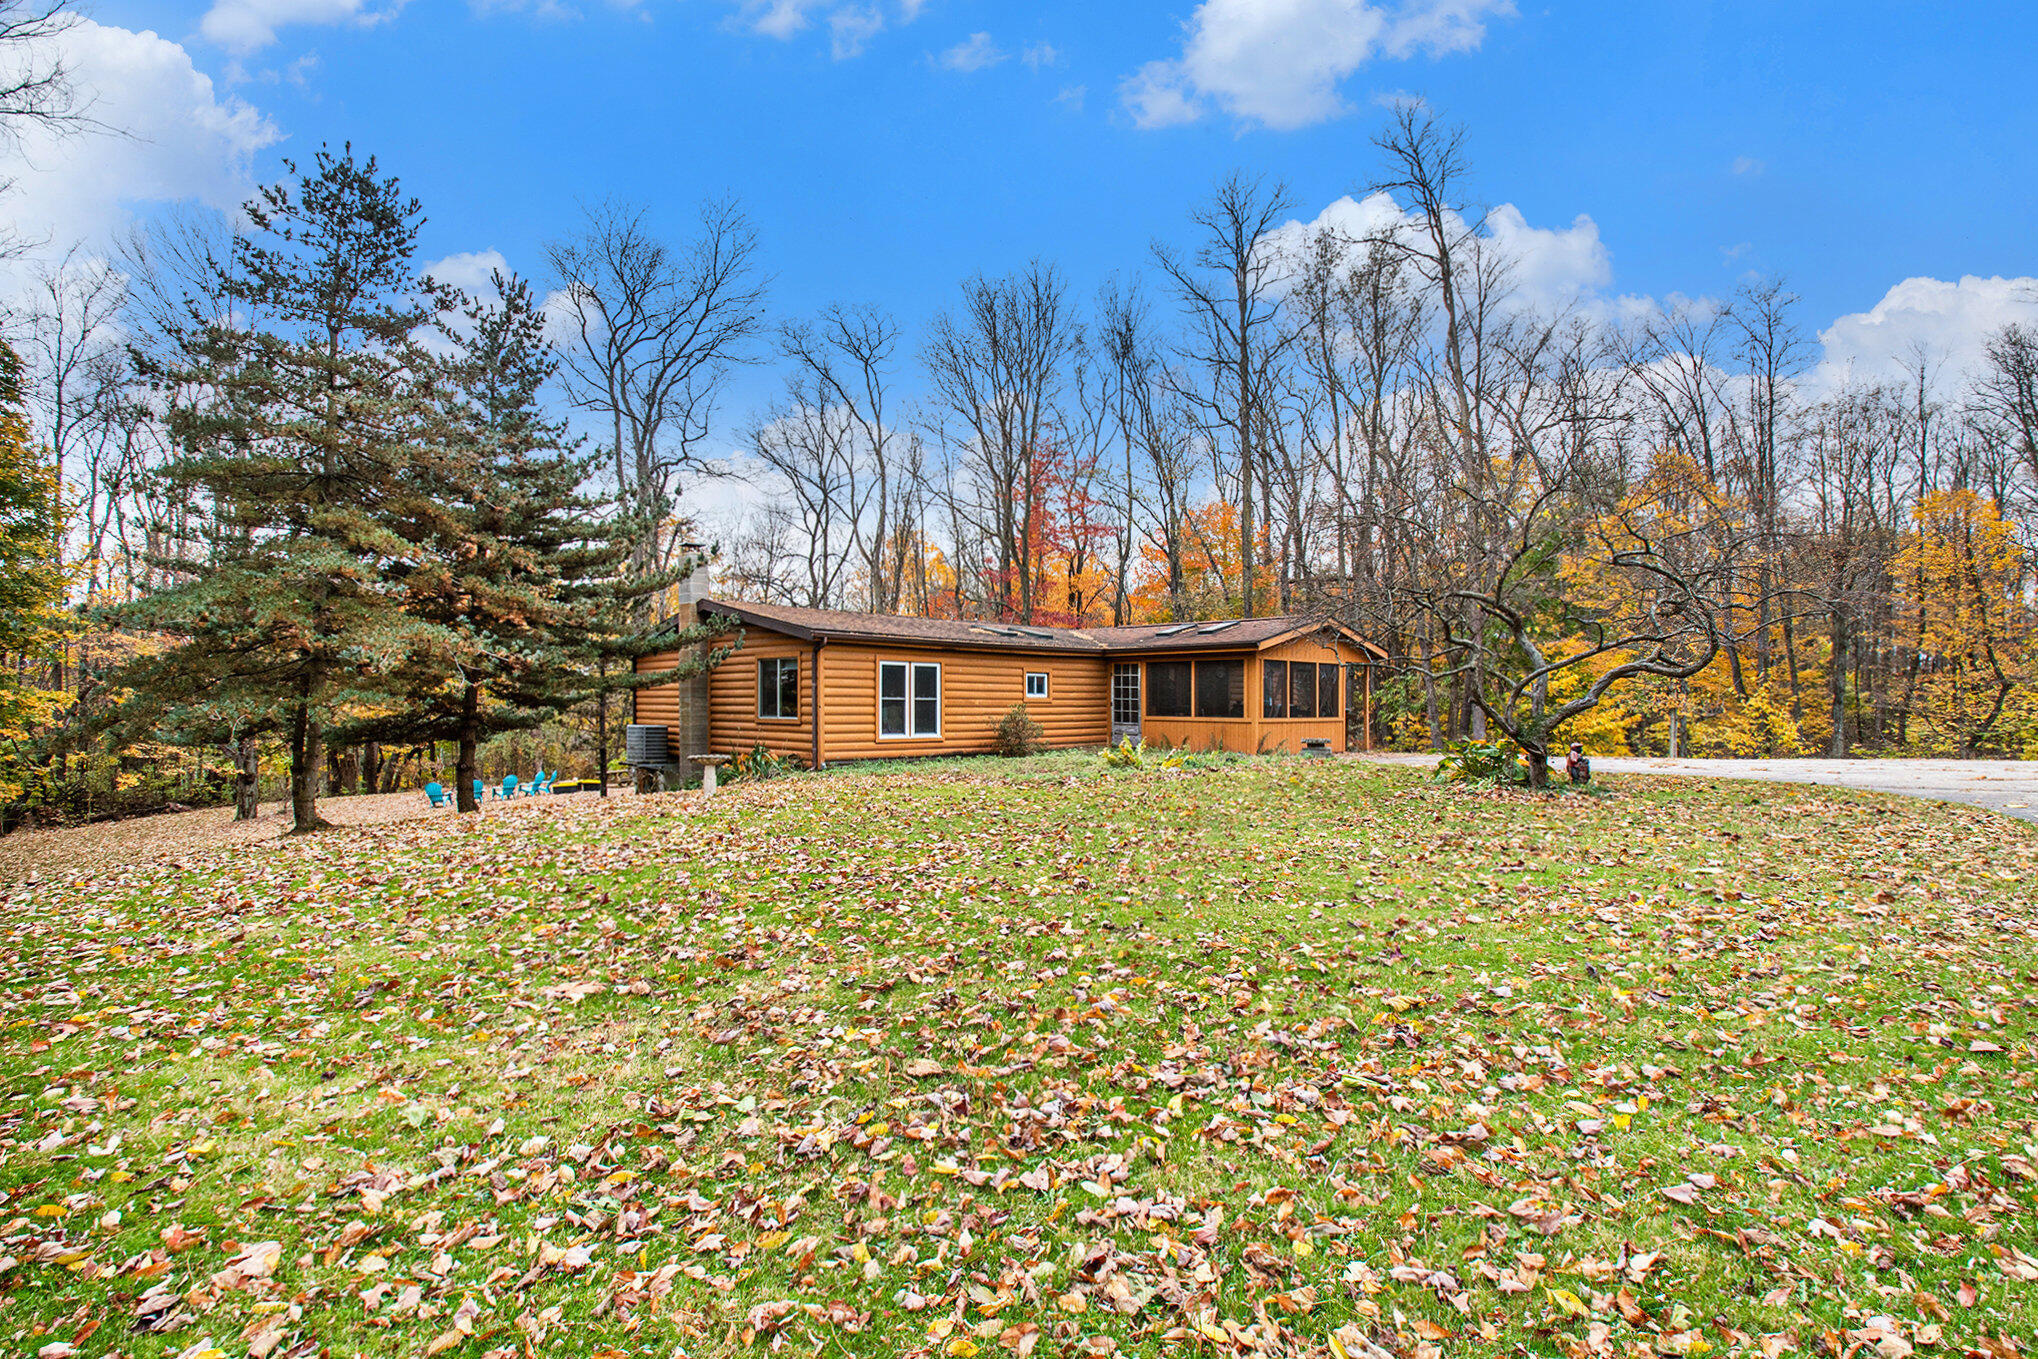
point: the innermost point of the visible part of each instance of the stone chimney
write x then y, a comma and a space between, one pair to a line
688, 735
692, 588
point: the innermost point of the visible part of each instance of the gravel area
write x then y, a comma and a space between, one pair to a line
112, 845
2006, 786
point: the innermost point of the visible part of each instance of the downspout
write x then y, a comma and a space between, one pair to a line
819, 642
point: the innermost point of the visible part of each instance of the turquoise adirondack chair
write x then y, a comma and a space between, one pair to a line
509, 787
439, 796
542, 784
480, 792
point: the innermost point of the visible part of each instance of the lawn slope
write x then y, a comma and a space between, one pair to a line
1004, 1058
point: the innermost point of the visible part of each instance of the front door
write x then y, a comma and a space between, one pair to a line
1125, 703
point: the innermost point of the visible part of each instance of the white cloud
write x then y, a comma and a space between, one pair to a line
975, 53
249, 25
851, 28
777, 18
1553, 267
470, 271
173, 138
1749, 166
851, 23
1041, 54
1950, 322
1073, 97
1279, 63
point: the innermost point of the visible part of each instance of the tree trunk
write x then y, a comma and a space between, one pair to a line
467, 765
247, 786
304, 762
1838, 687
1538, 766
601, 729
1432, 710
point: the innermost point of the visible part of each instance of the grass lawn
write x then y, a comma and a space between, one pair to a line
1283, 1057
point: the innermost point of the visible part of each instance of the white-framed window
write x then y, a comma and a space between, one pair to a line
1036, 684
908, 700
778, 688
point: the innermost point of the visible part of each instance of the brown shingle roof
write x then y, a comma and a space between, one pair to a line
992, 636
884, 627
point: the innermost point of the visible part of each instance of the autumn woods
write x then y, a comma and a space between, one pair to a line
1665, 531
283, 507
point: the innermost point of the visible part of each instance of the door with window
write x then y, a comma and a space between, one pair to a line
1125, 703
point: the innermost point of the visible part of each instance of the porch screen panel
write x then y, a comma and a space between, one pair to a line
1220, 688
1168, 689
1302, 689
1326, 690
1274, 689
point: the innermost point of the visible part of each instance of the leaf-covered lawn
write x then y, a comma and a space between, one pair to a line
1003, 1058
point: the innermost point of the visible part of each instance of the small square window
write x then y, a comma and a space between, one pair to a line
778, 688
1036, 684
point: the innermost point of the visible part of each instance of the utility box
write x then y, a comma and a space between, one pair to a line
646, 746
648, 752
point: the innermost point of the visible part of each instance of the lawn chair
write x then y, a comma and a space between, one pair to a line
480, 792
538, 784
508, 791
439, 796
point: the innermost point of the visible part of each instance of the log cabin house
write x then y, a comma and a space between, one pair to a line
822, 686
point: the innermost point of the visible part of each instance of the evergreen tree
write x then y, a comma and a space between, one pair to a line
32, 618
524, 580
295, 428
498, 532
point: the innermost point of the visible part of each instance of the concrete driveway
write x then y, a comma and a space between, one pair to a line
2006, 786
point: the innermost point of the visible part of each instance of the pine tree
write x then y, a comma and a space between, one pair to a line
525, 581
295, 426
32, 618
499, 534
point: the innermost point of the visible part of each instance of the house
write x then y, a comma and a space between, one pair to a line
822, 686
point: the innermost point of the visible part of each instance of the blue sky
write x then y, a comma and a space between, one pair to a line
1848, 147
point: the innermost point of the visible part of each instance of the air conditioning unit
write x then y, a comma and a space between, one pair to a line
646, 747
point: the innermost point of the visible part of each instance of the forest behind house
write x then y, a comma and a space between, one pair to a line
279, 511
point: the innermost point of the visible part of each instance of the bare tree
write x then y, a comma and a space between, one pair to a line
998, 370
35, 85
2006, 398
844, 360
651, 333
810, 449
77, 368
1772, 353
1228, 284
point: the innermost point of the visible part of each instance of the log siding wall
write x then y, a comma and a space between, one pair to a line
977, 689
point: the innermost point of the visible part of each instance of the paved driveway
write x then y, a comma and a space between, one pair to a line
2006, 786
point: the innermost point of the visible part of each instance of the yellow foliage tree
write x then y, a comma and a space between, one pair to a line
1962, 574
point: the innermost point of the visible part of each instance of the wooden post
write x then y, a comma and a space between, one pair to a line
1369, 707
